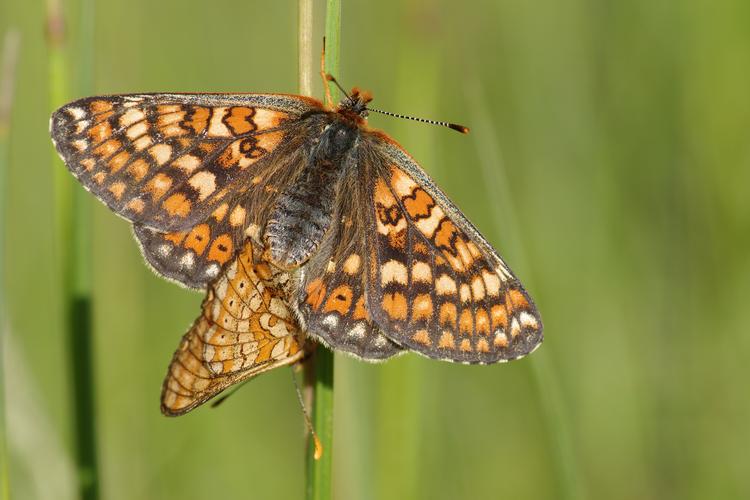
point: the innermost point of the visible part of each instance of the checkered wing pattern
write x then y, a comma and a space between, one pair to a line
245, 328
333, 302
189, 170
433, 283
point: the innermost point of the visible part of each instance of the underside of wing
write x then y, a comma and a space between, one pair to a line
435, 285
245, 329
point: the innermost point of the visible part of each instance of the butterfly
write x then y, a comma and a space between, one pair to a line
374, 259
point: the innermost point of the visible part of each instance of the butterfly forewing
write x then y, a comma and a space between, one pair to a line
404, 259
182, 163
245, 329
435, 285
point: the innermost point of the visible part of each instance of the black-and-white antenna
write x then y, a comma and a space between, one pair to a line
454, 126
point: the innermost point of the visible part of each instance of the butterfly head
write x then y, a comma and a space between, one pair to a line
356, 102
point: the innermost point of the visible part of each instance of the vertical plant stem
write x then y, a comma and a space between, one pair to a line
333, 42
319, 480
305, 46
11, 45
73, 240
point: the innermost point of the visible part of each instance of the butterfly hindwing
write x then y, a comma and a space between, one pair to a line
195, 257
332, 299
245, 329
434, 284
333, 306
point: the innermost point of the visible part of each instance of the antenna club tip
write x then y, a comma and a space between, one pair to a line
460, 128
329, 77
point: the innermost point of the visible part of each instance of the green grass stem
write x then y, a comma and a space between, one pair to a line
11, 46
319, 472
73, 243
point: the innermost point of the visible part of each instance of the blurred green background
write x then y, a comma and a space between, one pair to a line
609, 162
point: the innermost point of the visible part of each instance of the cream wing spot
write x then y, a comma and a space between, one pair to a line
117, 189
445, 285
402, 184
142, 142
132, 116
465, 293
76, 113
216, 127
464, 254
475, 253
253, 231
161, 153
159, 185
421, 271
136, 205
357, 331
428, 225
501, 340
277, 308
212, 270
188, 260
477, 289
527, 320
352, 264
187, 163
237, 217
491, 283
264, 118
380, 340
515, 328
278, 350
137, 130
81, 126
331, 321
393, 271
204, 182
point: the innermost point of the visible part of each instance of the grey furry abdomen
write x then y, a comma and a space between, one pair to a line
302, 213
